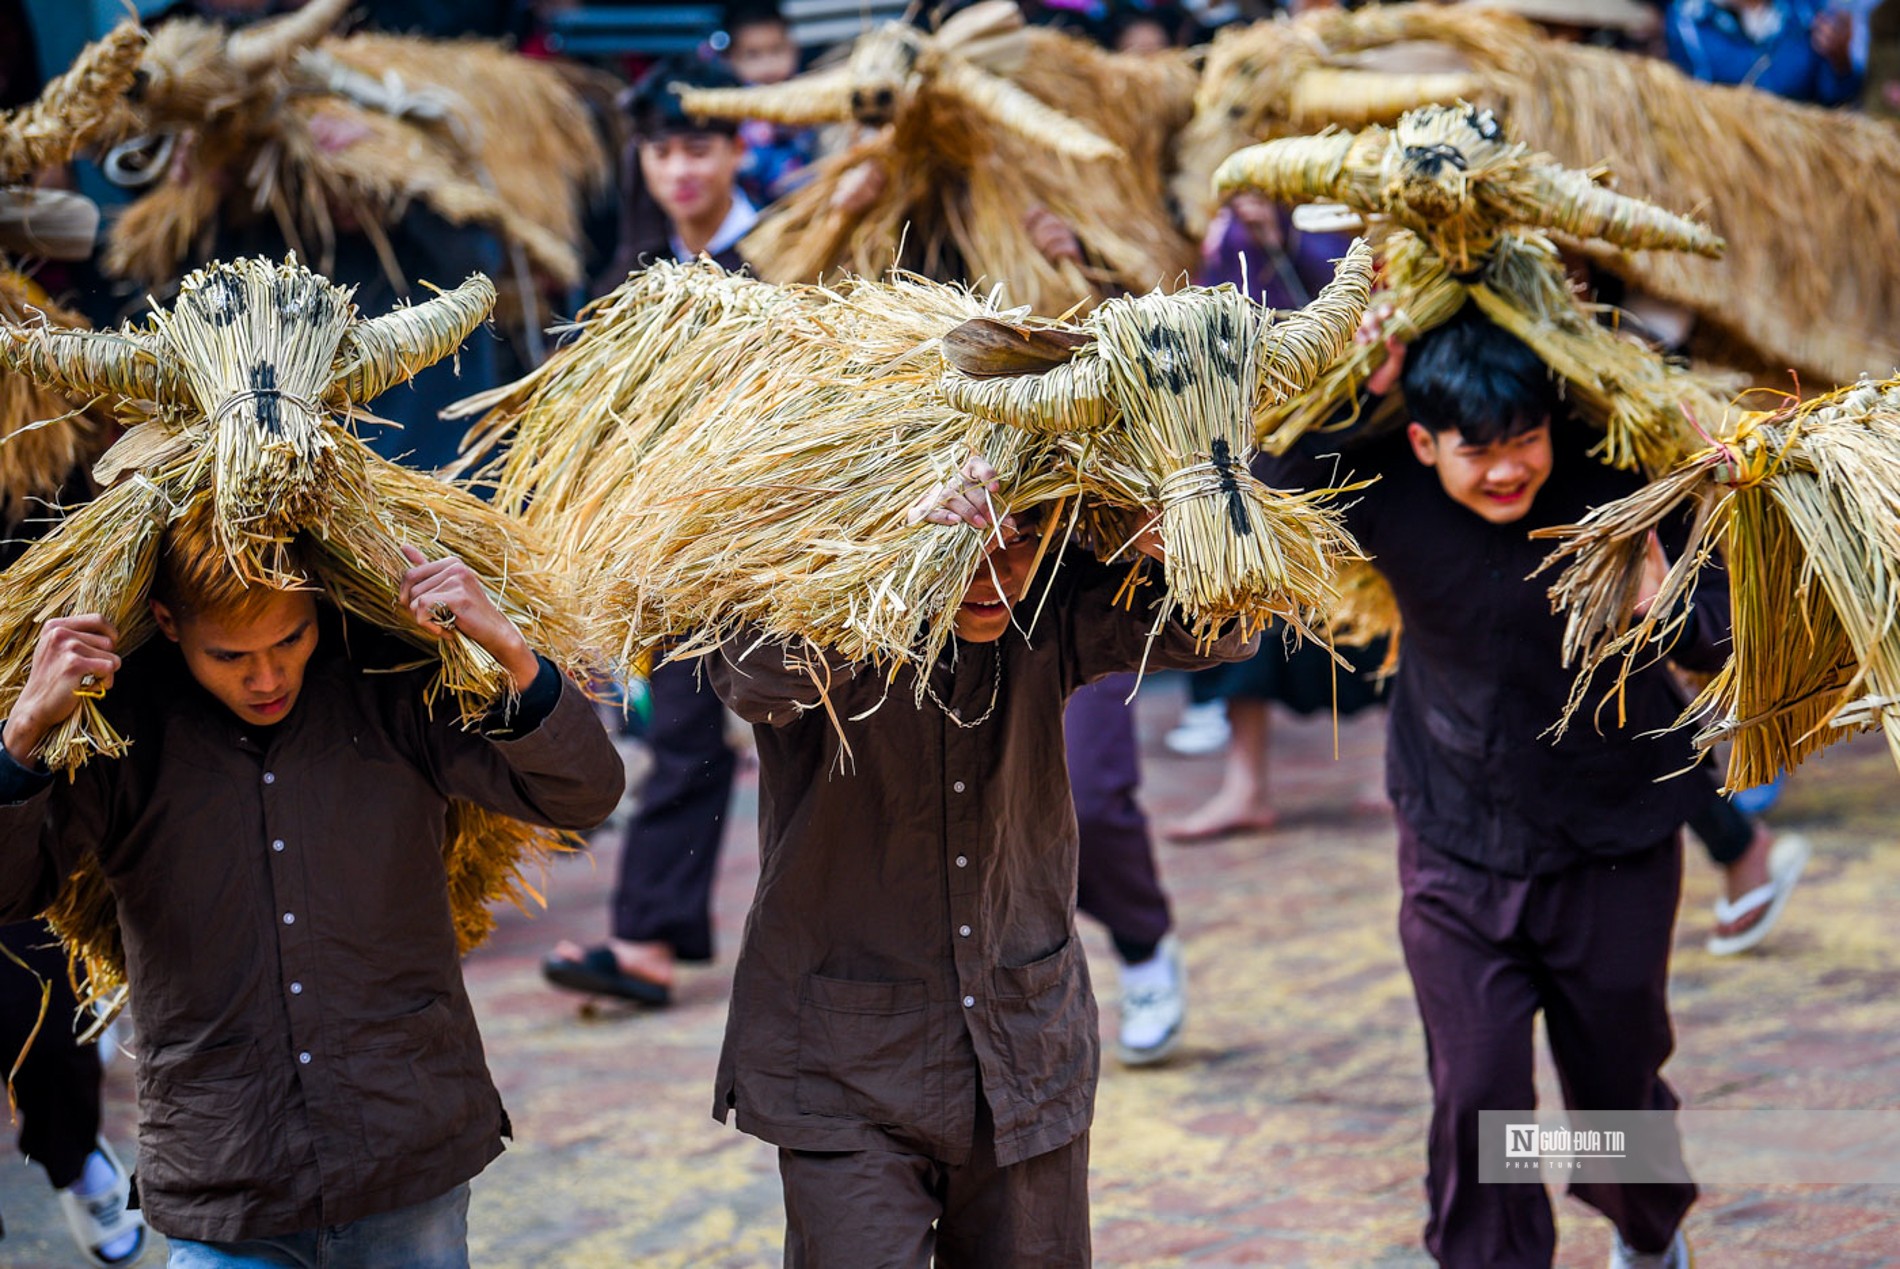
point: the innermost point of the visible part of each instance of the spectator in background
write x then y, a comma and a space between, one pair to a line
682, 202
761, 51
1800, 49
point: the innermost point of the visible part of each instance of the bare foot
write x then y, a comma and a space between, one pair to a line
1224, 816
652, 962
1744, 875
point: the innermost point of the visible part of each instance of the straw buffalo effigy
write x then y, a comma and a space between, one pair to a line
44, 437
970, 128
725, 454
1817, 295
239, 397
282, 121
1463, 215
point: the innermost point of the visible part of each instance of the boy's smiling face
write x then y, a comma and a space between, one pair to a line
1497, 481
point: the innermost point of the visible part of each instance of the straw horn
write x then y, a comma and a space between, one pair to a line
1297, 169
1573, 203
1007, 106
1071, 398
988, 34
820, 97
379, 353
1297, 350
1354, 97
272, 43
85, 364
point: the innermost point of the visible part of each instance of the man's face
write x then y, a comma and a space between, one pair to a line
1000, 581
763, 53
1498, 481
254, 665
691, 174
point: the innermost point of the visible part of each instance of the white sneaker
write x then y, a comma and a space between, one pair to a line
1203, 729
108, 1233
1154, 1006
1676, 1257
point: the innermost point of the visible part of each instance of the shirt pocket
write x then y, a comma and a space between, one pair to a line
416, 1080
205, 1126
1047, 1017
861, 1049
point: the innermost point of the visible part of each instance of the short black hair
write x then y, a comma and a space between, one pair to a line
752, 13
1476, 378
655, 108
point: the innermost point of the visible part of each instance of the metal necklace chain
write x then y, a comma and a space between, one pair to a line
996, 690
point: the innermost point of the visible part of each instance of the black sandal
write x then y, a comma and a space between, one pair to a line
598, 973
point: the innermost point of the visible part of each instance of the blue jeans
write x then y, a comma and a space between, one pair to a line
431, 1235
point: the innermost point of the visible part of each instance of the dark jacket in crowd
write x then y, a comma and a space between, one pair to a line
307, 1052
1469, 764
1708, 41
913, 936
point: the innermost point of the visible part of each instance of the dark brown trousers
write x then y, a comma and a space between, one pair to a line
888, 1209
1589, 946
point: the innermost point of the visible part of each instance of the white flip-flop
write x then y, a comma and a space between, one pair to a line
1786, 858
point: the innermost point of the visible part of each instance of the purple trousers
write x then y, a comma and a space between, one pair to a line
1590, 947
671, 852
1117, 883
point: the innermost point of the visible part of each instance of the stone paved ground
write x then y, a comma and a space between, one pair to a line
1290, 1130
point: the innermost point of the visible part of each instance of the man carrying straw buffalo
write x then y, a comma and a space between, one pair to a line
911, 1017
312, 1088
1537, 874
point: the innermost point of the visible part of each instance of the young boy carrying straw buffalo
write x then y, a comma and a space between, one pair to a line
1536, 874
911, 1019
311, 1082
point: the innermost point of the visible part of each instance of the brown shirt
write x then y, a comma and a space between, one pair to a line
913, 936
307, 1053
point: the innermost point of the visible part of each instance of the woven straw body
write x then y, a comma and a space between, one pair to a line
1802, 504
727, 454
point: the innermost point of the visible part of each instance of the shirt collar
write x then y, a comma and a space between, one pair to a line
738, 223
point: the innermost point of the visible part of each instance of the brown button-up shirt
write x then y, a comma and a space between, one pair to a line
307, 1053
913, 936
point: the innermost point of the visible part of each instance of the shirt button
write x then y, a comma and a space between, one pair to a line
278, 844
296, 989
304, 1058
969, 1002
958, 786
290, 918
270, 777
964, 930
963, 861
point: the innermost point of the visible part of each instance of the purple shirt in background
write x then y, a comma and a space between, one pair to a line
1279, 278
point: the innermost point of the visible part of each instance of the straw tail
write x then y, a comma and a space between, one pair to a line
272, 43
1007, 106
1571, 202
1297, 350
86, 365
99, 561
1303, 169
820, 97
85, 103
1073, 397
1353, 98
377, 354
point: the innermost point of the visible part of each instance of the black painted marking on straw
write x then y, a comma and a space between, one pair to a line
269, 405
1236, 505
221, 300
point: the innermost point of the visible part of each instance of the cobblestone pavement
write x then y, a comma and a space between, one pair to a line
1290, 1130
